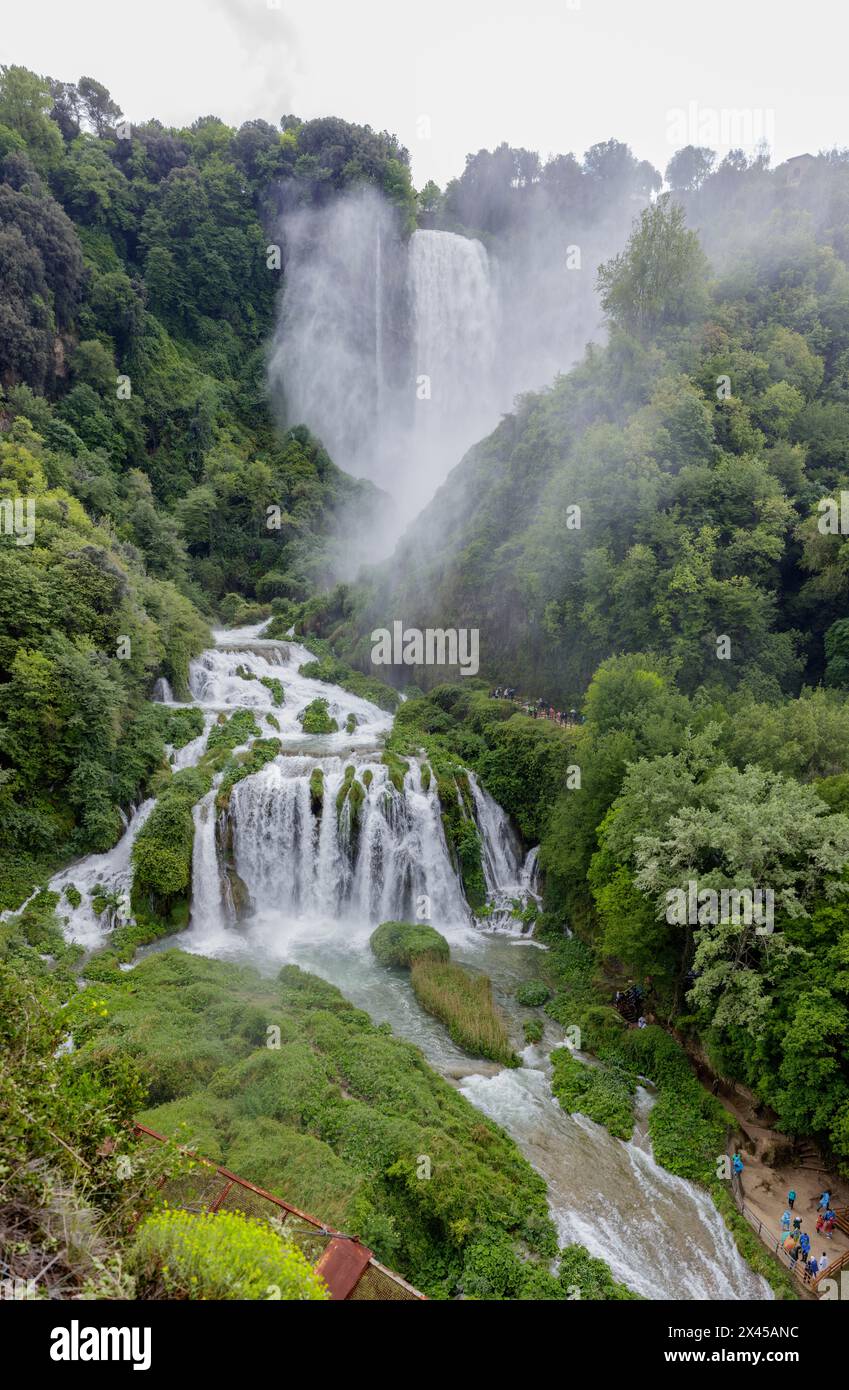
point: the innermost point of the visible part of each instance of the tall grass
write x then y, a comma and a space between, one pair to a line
464, 1003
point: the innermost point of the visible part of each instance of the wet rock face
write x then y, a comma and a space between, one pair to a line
238, 894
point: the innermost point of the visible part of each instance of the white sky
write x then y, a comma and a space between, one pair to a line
552, 75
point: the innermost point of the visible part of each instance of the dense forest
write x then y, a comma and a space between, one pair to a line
644, 539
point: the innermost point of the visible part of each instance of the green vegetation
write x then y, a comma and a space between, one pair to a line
605, 1096
74, 1179
464, 1003
223, 1254
401, 943
335, 1118
162, 852
533, 1030
276, 687
262, 751
532, 994
315, 719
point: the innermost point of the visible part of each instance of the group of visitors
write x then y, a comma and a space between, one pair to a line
796, 1243
629, 1003
536, 709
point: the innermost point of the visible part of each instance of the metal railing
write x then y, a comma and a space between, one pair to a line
347, 1266
775, 1243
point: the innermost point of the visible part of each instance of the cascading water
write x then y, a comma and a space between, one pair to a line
386, 346
455, 336
315, 880
376, 866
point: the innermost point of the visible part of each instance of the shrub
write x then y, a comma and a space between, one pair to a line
315, 719
400, 943
271, 683
532, 994
263, 750
222, 1254
232, 733
533, 1031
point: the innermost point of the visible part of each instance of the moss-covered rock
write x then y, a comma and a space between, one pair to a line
316, 719
278, 694
316, 790
397, 769
400, 943
533, 994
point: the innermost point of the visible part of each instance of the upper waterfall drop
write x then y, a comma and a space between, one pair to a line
368, 313
455, 333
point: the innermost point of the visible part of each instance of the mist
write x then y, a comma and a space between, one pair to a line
400, 350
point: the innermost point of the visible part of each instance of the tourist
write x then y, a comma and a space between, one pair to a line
805, 1246
785, 1222
824, 1262
828, 1224
791, 1197
737, 1164
811, 1269
825, 1201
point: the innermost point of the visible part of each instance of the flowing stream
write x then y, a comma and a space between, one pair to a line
312, 885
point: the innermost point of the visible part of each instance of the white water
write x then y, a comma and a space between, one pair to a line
317, 892
387, 349
455, 333
111, 871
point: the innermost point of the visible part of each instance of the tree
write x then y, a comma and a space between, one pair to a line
689, 167
25, 103
660, 278
97, 104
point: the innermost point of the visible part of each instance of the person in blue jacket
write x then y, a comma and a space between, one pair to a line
805, 1245
785, 1221
737, 1164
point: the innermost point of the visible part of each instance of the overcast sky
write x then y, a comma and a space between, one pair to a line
452, 76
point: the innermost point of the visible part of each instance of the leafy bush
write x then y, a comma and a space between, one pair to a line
223, 1254
604, 1096
315, 719
276, 687
533, 994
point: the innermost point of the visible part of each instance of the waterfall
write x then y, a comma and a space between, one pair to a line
373, 864
206, 870
316, 872
162, 692
455, 333
365, 315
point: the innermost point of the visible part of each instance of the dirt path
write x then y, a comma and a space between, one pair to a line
765, 1190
